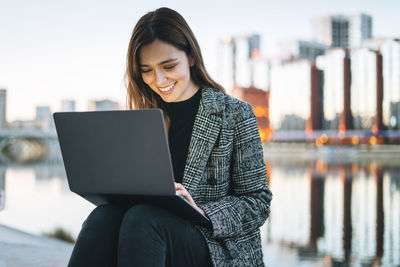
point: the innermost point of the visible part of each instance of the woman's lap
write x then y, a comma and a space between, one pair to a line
142, 235
157, 228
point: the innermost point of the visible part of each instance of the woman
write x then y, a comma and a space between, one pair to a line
217, 160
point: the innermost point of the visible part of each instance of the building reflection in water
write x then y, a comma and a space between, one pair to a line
347, 180
2, 186
337, 214
38, 199
344, 214
379, 215
317, 180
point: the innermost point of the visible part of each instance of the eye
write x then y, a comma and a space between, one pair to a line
170, 67
145, 71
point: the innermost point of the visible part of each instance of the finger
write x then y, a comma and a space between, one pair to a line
186, 195
189, 199
178, 185
182, 192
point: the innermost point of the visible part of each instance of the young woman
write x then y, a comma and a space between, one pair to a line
217, 160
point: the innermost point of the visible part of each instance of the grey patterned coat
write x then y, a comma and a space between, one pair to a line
225, 174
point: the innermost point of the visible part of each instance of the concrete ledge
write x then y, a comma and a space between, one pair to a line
18, 248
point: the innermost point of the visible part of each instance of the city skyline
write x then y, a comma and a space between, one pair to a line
54, 51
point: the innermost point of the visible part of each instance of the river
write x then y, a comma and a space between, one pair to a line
323, 212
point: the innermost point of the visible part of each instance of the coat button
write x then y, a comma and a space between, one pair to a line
212, 181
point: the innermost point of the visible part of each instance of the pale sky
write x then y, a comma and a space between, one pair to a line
52, 50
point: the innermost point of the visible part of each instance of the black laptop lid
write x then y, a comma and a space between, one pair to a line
116, 152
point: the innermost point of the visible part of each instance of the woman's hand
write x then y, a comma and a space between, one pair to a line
183, 192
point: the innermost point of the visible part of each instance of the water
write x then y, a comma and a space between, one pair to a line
38, 199
336, 213
323, 214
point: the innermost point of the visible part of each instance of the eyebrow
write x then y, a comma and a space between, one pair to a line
161, 63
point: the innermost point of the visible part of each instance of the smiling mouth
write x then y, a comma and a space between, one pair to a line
166, 89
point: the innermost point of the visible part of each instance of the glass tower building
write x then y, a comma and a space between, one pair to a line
363, 88
290, 95
332, 64
390, 51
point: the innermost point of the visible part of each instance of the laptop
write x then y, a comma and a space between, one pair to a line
121, 157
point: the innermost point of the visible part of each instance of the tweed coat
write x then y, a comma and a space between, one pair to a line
225, 174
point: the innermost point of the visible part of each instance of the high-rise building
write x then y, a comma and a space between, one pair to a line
105, 104
236, 66
336, 93
44, 118
261, 73
67, 105
360, 29
343, 31
332, 30
3, 101
242, 61
300, 49
295, 97
390, 50
225, 73
363, 88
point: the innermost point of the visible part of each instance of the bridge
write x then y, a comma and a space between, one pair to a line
25, 146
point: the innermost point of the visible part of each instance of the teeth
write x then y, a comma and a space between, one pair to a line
165, 89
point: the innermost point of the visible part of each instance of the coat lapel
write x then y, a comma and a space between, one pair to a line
206, 128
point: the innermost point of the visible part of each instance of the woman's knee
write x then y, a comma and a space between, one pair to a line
143, 216
105, 213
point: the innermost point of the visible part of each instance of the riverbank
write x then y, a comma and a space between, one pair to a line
19, 248
387, 155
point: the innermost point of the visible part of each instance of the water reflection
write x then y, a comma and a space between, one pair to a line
38, 199
330, 213
340, 213
2, 187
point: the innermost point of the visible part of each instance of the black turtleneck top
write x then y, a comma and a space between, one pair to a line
182, 115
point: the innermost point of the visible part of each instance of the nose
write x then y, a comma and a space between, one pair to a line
160, 77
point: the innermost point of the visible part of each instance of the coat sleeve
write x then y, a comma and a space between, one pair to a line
248, 206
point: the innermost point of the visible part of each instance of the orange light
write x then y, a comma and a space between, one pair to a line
262, 135
260, 112
318, 142
355, 141
342, 127
373, 140
324, 138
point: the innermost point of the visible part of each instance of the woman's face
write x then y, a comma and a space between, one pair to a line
166, 70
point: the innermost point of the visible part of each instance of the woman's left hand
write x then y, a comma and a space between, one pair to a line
181, 190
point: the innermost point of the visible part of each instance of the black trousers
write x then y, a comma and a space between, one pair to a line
142, 235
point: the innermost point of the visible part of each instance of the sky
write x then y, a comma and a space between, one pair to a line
52, 50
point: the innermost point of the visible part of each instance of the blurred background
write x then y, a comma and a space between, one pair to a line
323, 79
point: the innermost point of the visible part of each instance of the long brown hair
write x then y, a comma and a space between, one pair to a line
169, 26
